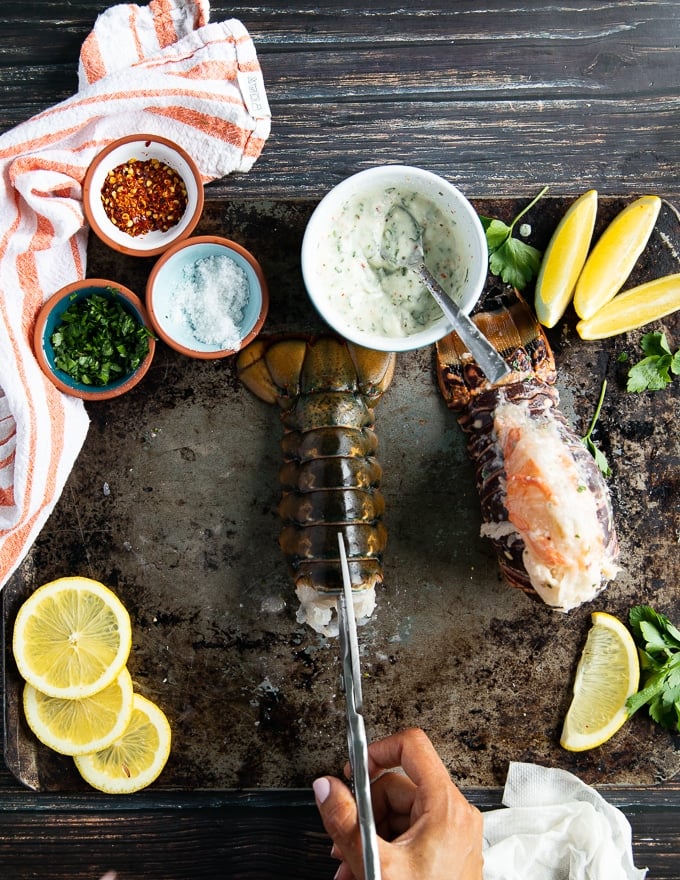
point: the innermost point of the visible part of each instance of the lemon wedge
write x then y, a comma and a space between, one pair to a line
72, 637
612, 259
633, 308
136, 758
608, 672
564, 259
76, 727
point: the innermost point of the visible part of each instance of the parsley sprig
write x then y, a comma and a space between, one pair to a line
515, 261
658, 642
653, 372
587, 440
99, 341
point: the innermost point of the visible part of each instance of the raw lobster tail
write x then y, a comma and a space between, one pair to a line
330, 478
545, 504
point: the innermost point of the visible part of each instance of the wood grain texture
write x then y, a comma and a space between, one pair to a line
500, 98
242, 842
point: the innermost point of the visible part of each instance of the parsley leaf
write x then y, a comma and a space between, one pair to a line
653, 372
496, 232
587, 440
658, 642
515, 261
99, 341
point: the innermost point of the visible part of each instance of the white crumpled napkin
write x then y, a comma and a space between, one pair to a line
555, 827
158, 69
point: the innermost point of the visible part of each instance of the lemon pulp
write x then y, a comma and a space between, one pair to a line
71, 638
136, 758
633, 308
614, 255
608, 672
76, 727
564, 259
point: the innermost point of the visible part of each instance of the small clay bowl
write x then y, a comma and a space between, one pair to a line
50, 318
141, 148
177, 298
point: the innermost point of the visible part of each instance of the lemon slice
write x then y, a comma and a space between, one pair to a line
76, 727
608, 672
615, 253
633, 308
136, 758
564, 259
71, 638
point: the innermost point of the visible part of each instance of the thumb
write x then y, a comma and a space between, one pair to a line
340, 819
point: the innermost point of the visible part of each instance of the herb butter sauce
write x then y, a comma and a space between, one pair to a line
367, 289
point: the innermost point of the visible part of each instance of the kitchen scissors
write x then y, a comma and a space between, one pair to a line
350, 682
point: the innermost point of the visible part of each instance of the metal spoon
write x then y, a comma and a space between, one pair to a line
402, 246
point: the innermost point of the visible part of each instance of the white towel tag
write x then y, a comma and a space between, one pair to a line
251, 84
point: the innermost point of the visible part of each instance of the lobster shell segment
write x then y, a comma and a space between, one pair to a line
545, 504
330, 479
327, 441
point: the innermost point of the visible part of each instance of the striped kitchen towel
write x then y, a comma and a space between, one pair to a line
161, 69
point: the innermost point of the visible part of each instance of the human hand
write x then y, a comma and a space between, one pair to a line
426, 828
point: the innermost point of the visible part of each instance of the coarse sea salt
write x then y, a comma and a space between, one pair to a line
210, 298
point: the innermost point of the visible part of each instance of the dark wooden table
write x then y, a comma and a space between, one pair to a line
500, 101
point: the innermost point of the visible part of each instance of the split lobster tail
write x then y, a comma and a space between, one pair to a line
544, 501
330, 478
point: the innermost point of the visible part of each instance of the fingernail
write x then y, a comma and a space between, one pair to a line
322, 788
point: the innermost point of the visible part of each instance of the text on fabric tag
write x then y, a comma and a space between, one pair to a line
251, 84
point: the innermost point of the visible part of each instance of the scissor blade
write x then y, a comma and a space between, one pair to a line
356, 732
350, 626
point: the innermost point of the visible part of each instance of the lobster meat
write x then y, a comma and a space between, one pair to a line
326, 389
544, 501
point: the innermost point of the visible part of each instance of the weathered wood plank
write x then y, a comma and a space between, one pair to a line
220, 842
398, 55
500, 100
499, 148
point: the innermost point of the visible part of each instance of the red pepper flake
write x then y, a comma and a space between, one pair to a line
144, 196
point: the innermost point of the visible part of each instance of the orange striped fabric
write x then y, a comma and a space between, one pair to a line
161, 69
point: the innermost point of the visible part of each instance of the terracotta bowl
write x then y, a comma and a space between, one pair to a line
142, 148
207, 297
50, 319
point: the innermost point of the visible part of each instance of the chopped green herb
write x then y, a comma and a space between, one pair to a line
515, 261
99, 341
653, 372
587, 441
658, 642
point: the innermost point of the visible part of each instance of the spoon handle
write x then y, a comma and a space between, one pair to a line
478, 345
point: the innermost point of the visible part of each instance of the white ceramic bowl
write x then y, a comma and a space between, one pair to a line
143, 148
320, 265
167, 281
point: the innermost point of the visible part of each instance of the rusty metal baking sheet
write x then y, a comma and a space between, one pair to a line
172, 503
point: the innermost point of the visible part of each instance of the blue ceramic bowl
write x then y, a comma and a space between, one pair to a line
49, 319
184, 300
